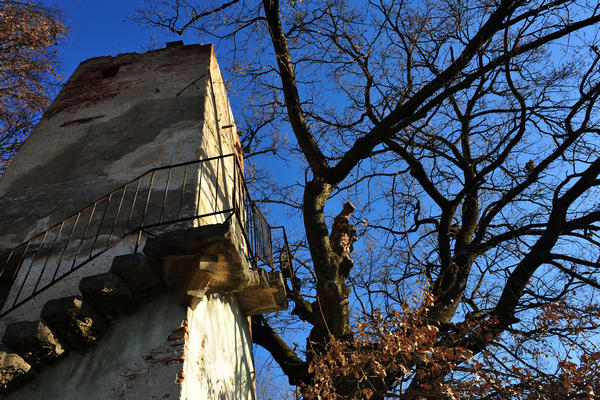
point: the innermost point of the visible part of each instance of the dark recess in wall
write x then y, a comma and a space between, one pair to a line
110, 72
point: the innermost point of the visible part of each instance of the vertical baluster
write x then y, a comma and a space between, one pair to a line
83, 235
31, 265
101, 223
49, 254
199, 192
182, 192
135, 195
263, 234
162, 209
4, 269
62, 254
270, 246
248, 223
143, 221
147, 199
257, 231
16, 272
216, 207
253, 229
234, 197
112, 228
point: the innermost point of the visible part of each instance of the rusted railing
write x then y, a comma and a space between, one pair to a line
194, 193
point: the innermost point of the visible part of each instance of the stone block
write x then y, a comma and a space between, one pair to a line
191, 241
74, 321
139, 276
265, 296
107, 294
33, 341
14, 371
210, 255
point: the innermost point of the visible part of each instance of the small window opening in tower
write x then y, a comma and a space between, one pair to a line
110, 72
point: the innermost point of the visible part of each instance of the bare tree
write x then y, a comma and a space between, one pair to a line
28, 34
466, 133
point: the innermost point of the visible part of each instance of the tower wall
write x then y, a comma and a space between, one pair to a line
162, 352
115, 119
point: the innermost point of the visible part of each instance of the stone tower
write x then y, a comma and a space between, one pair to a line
132, 255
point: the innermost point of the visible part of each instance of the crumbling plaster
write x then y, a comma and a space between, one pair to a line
88, 144
106, 127
165, 107
163, 351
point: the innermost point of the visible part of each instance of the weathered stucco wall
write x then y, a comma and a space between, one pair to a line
102, 131
116, 118
164, 351
219, 362
69, 286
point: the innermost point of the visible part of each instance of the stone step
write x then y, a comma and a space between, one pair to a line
74, 321
34, 341
139, 276
108, 295
14, 371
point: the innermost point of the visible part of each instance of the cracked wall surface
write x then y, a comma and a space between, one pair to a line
116, 118
101, 132
163, 351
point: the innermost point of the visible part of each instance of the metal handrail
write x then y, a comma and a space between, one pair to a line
188, 193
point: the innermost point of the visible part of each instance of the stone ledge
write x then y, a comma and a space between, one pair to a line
267, 296
211, 259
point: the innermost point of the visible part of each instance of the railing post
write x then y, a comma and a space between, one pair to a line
162, 209
147, 199
182, 192
135, 194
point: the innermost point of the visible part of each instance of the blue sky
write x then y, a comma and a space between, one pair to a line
99, 28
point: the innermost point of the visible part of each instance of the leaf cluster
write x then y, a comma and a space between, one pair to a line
28, 35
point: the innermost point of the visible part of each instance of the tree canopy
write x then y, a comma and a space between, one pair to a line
28, 78
466, 134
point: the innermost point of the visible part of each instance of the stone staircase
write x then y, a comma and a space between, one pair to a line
188, 263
